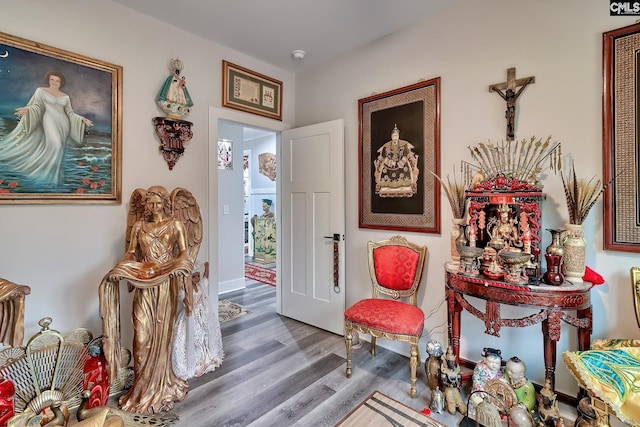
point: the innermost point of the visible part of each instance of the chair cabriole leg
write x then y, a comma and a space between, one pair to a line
414, 367
348, 336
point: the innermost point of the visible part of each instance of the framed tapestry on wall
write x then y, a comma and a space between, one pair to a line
60, 125
621, 138
399, 142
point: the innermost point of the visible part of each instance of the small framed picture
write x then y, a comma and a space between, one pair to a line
225, 154
246, 90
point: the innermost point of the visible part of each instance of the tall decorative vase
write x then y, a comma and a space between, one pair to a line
553, 275
456, 229
555, 247
575, 253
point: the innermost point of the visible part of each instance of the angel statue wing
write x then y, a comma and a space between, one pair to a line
136, 213
186, 209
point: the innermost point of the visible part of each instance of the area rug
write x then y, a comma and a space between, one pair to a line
228, 310
380, 410
260, 274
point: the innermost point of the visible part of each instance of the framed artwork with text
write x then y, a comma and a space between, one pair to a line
246, 90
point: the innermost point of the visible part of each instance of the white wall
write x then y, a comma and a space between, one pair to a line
230, 213
63, 251
230, 194
470, 45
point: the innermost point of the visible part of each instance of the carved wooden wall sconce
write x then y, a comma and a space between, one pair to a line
173, 134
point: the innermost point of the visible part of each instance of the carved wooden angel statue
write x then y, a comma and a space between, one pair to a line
164, 232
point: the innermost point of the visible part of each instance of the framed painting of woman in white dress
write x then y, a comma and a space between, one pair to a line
60, 125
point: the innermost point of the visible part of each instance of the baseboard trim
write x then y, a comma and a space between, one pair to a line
231, 285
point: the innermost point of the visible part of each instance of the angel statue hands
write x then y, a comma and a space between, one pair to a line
164, 232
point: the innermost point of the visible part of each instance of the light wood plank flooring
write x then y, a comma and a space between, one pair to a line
280, 372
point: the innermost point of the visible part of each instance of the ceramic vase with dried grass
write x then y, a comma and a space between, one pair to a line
455, 194
575, 253
581, 195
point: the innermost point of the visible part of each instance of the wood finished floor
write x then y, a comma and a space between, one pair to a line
280, 372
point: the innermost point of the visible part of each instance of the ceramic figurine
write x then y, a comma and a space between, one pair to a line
515, 374
485, 370
174, 98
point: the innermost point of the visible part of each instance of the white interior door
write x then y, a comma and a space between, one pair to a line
312, 211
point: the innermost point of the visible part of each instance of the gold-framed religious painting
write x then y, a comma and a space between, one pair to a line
399, 142
60, 125
251, 92
621, 138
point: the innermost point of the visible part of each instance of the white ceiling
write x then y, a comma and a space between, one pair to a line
270, 30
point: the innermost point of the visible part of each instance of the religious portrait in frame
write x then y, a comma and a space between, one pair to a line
399, 141
60, 125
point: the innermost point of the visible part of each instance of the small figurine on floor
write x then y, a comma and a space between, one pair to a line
516, 371
432, 364
437, 401
451, 380
489, 368
548, 410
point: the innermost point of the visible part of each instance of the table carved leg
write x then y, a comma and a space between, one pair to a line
454, 309
550, 337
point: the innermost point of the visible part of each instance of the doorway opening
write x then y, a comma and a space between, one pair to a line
247, 202
309, 211
260, 197
226, 230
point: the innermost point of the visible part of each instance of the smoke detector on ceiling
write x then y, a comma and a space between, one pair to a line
298, 54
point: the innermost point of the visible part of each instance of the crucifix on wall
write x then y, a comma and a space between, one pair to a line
510, 91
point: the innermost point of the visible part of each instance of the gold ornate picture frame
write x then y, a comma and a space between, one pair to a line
621, 138
399, 142
58, 146
251, 92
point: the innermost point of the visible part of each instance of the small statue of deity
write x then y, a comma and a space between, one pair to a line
451, 381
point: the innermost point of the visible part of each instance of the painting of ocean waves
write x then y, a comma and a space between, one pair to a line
87, 168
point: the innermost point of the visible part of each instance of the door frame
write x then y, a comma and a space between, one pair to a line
250, 120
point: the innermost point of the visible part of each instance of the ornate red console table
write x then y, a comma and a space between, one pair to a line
554, 303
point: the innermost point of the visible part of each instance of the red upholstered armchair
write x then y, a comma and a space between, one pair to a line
395, 266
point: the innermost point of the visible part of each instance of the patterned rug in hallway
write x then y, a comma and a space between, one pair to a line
228, 310
379, 409
260, 274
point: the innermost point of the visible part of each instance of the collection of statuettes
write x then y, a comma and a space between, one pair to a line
496, 392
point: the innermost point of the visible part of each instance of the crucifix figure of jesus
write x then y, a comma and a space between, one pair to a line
510, 91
